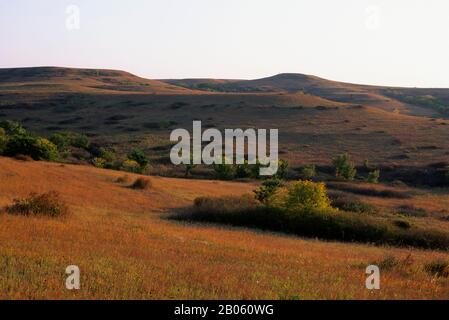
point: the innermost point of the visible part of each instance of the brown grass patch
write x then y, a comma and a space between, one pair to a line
47, 204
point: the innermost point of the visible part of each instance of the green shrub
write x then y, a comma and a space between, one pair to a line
61, 140
99, 162
308, 172
328, 224
47, 204
282, 172
344, 167
12, 128
131, 166
254, 170
350, 204
46, 150
37, 148
79, 141
139, 156
265, 193
224, 171
303, 195
242, 170
373, 176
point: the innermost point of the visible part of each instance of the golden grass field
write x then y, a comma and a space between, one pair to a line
127, 250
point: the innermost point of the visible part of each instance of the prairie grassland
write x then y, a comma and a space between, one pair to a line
126, 249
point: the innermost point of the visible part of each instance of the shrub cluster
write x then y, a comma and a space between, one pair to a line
303, 208
15, 140
47, 204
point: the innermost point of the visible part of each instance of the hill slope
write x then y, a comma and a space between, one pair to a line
59, 80
377, 96
127, 250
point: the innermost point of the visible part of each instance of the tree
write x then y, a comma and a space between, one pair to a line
307, 195
224, 171
308, 172
37, 148
373, 176
282, 169
12, 128
265, 193
344, 167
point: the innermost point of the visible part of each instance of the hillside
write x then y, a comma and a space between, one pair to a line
126, 249
48, 80
377, 96
317, 119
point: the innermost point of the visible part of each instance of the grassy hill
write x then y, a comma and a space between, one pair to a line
125, 247
318, 119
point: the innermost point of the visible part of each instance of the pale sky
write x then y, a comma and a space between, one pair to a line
390, 42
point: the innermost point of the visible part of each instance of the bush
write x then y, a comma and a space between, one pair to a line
37, 148
12, 128
308, 172
268, 189
47, 204
99, 162
142, 184
328, 224
304, 195
131, 166
403, 224
46, 150
224, 171
79, 141
344, 167
139, 156
282, 172
438, 268
373, 176
346, 203
61, 140
242, 170
122, 179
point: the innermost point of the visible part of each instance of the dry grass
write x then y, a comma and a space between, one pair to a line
125, 250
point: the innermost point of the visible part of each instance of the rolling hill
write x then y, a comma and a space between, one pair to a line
317, 118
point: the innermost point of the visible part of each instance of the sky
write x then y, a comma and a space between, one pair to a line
391, 42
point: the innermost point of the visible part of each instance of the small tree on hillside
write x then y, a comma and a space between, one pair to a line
265, 193
344, 167
308, 172
373, 176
